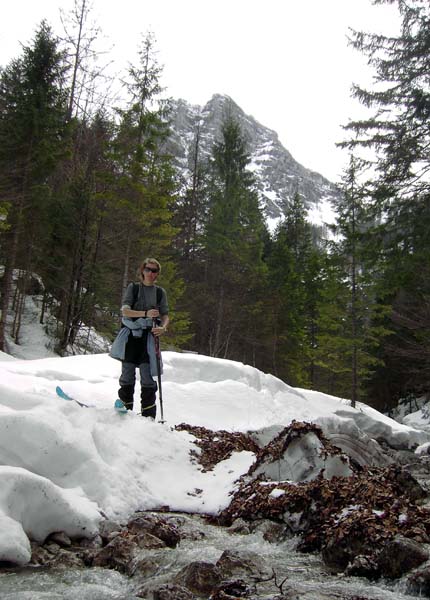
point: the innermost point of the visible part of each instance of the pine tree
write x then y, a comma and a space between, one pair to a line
398, 129
403, 283
294, 268
362, 330
32, 141
287, 306
78, 231
145, 186
398, 132
331, 354
234, 276
313, 284
191, 208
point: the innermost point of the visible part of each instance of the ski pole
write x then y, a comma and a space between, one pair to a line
158, 361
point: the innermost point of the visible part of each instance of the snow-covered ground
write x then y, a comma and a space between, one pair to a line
64, 466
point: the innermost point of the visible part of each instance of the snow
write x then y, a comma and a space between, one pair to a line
277, 493
64, 467
322, 213
33, 506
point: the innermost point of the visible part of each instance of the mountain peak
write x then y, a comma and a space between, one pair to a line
278, 175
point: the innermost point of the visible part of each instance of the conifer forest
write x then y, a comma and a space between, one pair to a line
88, 190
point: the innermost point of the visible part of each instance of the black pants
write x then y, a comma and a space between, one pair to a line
148, 386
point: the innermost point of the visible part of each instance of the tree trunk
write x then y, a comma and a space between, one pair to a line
10, 263
125, 274
216, 345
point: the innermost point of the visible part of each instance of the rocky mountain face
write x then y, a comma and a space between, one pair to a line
278, 175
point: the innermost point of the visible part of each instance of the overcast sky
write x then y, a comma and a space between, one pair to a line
285, 62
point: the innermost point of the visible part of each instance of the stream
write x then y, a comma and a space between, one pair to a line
297, 575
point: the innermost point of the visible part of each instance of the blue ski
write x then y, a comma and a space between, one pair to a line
120, 406
62, 394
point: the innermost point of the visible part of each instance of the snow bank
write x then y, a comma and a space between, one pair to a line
33, 507
64, 464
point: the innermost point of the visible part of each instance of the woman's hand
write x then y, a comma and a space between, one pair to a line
153, 313
159, 330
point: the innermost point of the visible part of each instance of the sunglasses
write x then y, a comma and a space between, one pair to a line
149, 270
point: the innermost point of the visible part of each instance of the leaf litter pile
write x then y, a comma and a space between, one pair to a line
366, 509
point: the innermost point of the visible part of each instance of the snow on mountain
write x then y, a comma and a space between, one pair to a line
279, 176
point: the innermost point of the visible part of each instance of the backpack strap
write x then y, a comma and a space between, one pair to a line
159, 293
135, 292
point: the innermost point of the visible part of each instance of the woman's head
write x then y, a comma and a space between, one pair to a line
150, 269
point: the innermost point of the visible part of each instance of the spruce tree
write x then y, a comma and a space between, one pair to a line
294, 270
400, 103
32, 141
397, 131
191, 208
79, 229
234, 277
357, 265
145, 185
331, 354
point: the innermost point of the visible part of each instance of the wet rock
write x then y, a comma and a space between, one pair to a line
399, 556
60, 538
120, 554
239, 526
51, 547
87, 555
240, 563
232, 589
408, 484
418, 583
94, 542
188, 528
156, 526
363, 566
148, 541
51, 555
170, 592
109, 529
40, 556
199, 577
146, 567
67, 560
296, 521
341, 550
272, 531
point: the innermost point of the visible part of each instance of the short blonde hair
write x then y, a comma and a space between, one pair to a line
143, 264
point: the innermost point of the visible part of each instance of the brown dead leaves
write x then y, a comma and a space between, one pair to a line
216, 446
373, 505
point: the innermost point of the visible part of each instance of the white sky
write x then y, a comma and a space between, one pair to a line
285, 62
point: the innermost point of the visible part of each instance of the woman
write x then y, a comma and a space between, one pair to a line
144, 310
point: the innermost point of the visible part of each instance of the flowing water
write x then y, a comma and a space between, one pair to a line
304, 575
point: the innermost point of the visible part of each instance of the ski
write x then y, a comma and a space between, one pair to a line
120, 406
62, 394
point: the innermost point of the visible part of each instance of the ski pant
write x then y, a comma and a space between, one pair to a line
148, 387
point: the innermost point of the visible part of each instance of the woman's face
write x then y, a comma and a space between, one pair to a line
150, 273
